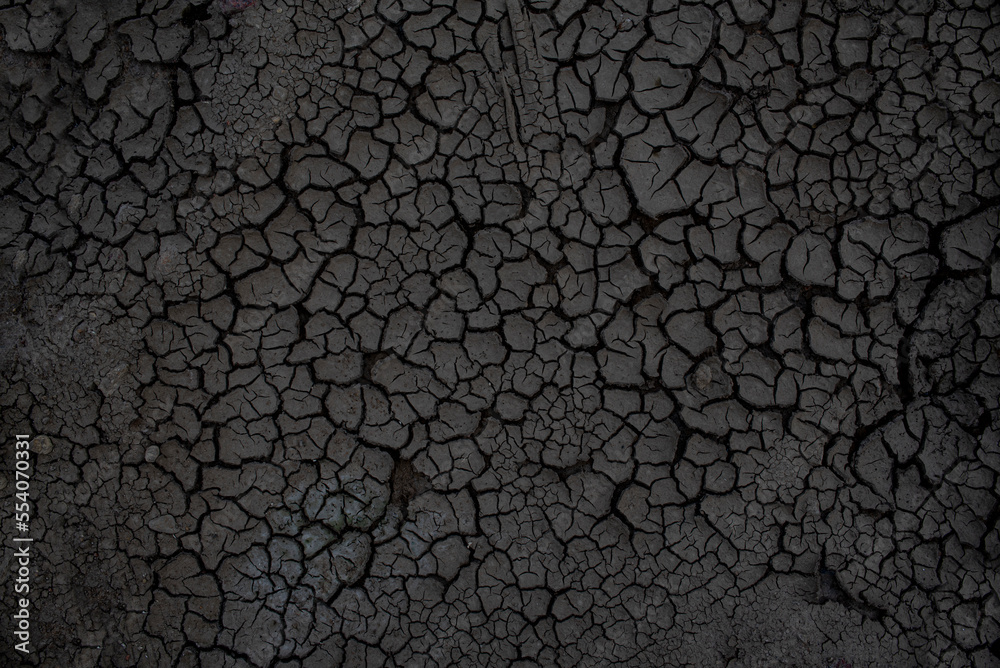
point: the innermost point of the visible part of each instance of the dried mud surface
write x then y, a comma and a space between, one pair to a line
503, 332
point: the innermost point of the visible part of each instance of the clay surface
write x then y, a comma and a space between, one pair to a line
513, 333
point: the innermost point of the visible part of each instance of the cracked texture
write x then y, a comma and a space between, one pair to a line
505, 333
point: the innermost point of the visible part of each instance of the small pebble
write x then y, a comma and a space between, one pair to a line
41, 445
703, 377
152, 452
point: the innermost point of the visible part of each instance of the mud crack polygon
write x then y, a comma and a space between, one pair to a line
505, 332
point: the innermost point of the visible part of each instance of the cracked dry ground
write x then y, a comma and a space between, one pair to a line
504, 333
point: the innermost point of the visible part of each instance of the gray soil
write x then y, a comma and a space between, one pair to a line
503, 332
